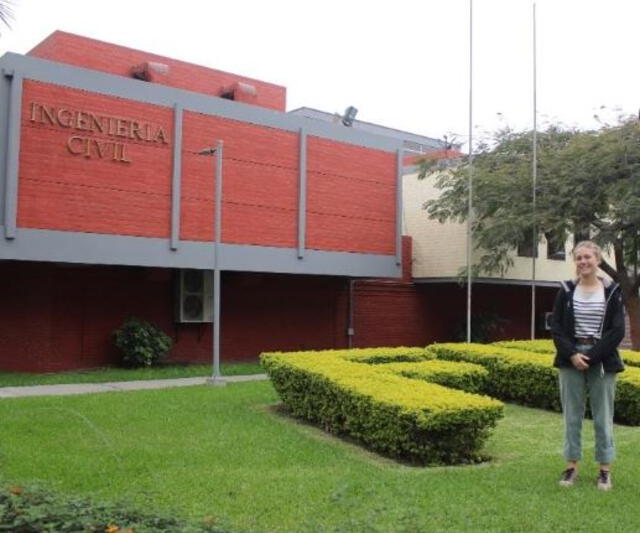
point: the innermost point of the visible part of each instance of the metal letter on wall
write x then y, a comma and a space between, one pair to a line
302, 195
13, 155
176, 179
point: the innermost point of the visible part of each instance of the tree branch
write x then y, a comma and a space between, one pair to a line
610, 271
618, 252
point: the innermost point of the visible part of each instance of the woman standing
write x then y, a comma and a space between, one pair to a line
587, 326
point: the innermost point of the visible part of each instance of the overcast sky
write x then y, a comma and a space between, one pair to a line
402, 63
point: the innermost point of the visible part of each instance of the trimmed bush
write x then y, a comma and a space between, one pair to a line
141, 343
537, 346
406, 418
464, 376
627, 407
529, 378
383, 355
630, 357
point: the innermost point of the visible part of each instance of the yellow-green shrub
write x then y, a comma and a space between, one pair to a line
630, 357
529, 378
407, 418
627, 408
383, 355
518, 376
538, 345
464, 376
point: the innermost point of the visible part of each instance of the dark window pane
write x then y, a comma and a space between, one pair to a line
555, 246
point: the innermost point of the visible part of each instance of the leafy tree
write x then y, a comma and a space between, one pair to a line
6, 12
588, 183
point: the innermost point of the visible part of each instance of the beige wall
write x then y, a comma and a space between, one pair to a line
439, 250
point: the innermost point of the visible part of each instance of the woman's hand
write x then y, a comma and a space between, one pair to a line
580, 361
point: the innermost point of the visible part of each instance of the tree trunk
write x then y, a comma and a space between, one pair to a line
632, 304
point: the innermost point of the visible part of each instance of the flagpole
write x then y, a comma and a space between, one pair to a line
534, 172
470, 195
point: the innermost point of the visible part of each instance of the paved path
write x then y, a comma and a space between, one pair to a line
90, 388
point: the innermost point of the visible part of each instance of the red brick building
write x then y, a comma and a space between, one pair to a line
108, 210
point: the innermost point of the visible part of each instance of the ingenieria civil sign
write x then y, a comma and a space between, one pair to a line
95, 135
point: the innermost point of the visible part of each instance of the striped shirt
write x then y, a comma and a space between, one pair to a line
588, 310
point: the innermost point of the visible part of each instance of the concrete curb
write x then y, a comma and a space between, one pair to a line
117, 386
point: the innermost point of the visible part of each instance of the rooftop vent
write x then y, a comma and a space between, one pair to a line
149, 71
239, 91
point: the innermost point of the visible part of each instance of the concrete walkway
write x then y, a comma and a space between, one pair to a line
117, 386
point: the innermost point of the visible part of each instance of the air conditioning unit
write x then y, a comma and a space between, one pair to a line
194, 296
547, 320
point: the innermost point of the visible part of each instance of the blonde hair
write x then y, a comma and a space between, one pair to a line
590, 245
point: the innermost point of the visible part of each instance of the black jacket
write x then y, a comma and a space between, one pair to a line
605, 350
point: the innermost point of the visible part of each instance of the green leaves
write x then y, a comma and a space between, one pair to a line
35, 510
588, 182
364, 394
584, 180
141, 343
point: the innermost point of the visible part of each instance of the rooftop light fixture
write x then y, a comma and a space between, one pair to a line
349, 116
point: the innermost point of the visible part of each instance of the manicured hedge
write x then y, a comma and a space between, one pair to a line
630, 357
383, 355
528, 378
464, 376
538, 345
412, 419
627, 407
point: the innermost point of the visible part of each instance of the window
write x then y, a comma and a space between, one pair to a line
581, 235
555, 246
525, 247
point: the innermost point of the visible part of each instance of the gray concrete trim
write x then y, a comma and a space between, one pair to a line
5, 90
302, 195
12, 159
487, 281
46, 71
88, 248
284, 260
176, 177
316, 114
399, 207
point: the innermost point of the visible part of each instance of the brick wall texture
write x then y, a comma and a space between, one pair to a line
113, 59
60, 317
70, 181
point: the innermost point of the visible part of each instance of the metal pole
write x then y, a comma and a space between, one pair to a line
470, 197
534, 180
216, 377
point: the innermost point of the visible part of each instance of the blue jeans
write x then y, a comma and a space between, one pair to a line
599, 386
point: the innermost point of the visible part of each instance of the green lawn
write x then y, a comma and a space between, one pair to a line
224, 452
103, 375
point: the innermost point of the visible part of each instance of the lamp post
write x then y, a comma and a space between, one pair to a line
216, 377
